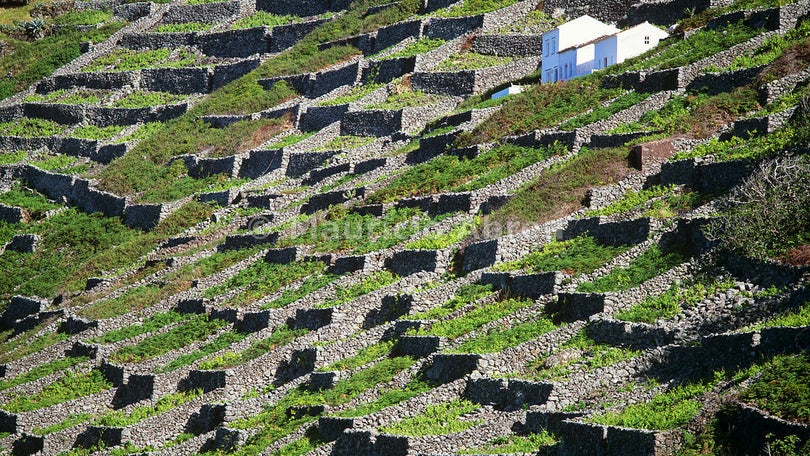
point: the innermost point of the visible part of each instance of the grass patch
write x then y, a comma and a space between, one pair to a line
71, 386
61, 164
794, 319
420, 46
131, 60
581, 255
41, 371
33, 61
669, 410
389, 398
539, 107
119, 418
147, 99
783, 388
649, 264
668, 304
262, 278
586, 354
264, 19
475, 318
436, 241
601, 112
466, 294
561, 189
369, 284
33, 202
530, 443
506, 335
357, 92
196, 328
151, 324
185, 27
347, 142
365, 356
27, 343
69, 422
9, 158
437, 419
457, 174
471, 61
282, 335
25, 127
309, 286
221, 342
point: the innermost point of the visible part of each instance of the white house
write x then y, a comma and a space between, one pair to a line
568, 50
626, 44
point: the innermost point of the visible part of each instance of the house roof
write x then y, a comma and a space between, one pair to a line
582, 30
648, 28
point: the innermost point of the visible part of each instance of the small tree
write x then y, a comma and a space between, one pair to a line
769, 209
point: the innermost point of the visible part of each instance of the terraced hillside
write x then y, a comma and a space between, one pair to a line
304, 227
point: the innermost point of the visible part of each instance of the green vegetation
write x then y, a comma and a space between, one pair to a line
391, 397
282, 335
561, 189
32, 61
668, 304
418, 47
601, 112
129, 60
539, 107
133, 299
69, 422
530, 443
119, 418
151, 324
221, 342
357, 92
64, 164
64, 96
586, 354
97, 133
311, 284
70, 386
471, 61
668, 410
456, 174
365, 356
466, 294
371, 283
26, 343
581, 255
437, 419
771, 214
783, 388
147, 99
289, 140
184, 27
473, 7
264, 19
674, 201
35, 203
475, 318
42, 370
794, 319
649, 264
196, 328
30, 128
775, 47
262, 278
8, 158
506, 335
701, 44
435, 241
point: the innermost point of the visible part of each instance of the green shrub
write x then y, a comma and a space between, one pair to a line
504, 336
453, 173
347, 143
71, 386
120, 418
221, 342
357, 92
153, 323
475, 318
590, 355
263, 278
391, 397
30, 128
363, 357
671, 409
310, 285
97, 133
8, 158
436, 241
264, 19
437, 419
580, 255
473, 7
369, 284
783, 388
69, 422
420, 46
282, 335
471, 61
61, 164
466, 294
561, 189
530, 443
42, 370
772, 211
196, 328
669, 303
85, 17
649, 264
147, 99
794, 319
33, 202
184, 27
600, 112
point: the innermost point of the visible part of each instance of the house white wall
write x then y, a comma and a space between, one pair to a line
574, 40
626, 44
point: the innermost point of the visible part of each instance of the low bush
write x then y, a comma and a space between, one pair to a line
437, 419
530, 443
282, 335
264, 19
119, 418
475, 318
670, 303
196, 328
263, 278
153, 323
466, 294
418, 47
783, 388
580, 255
500, 337
70, 386
649, 264
371, 283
